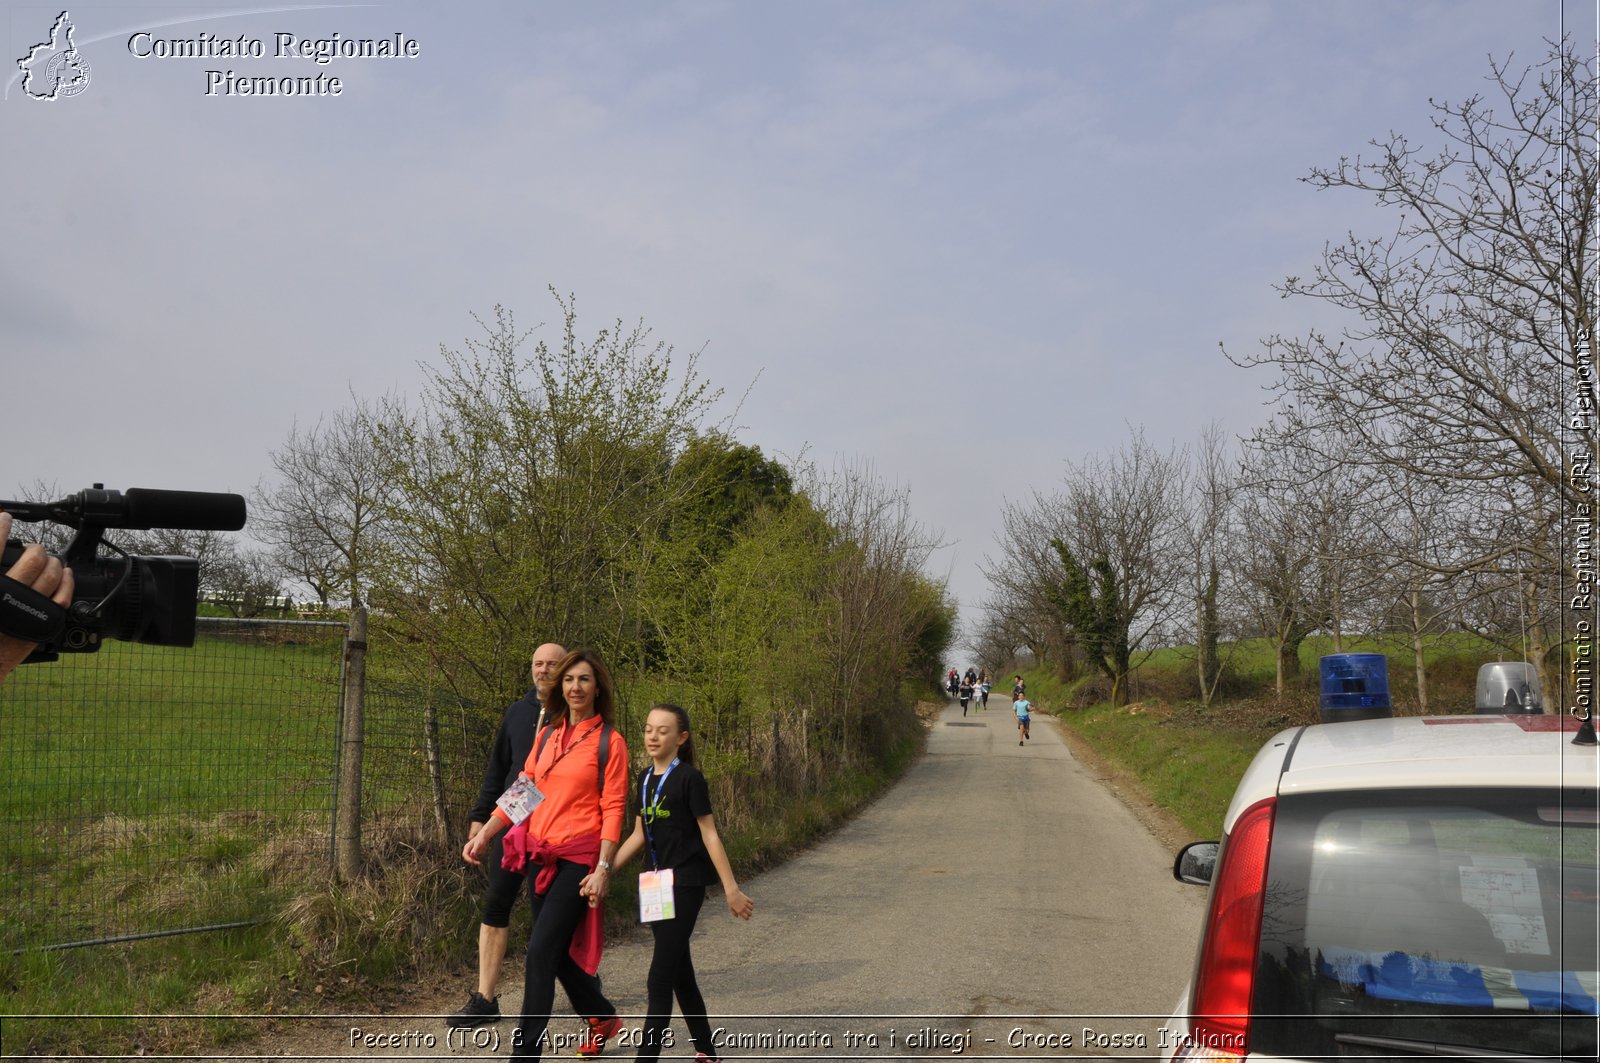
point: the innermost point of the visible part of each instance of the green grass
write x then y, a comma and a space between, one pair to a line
144, 784
205, 977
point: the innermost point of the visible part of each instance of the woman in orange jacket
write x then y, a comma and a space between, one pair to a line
579, 771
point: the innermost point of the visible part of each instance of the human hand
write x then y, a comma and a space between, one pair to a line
473, 850
740, 904
38, 571
595, 885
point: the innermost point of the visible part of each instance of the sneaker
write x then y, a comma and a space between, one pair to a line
477, 1011
596, 1035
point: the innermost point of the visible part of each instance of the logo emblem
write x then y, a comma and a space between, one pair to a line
55, 69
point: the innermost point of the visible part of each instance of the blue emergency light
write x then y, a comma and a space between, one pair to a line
1355, 686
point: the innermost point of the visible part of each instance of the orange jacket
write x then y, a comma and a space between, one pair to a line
567, 773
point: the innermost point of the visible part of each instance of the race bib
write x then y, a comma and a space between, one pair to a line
520, 799
655, 896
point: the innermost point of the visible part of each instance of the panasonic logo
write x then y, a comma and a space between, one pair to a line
26, 608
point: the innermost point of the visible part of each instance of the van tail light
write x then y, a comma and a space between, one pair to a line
1219, 1019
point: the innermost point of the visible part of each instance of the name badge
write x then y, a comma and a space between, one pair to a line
655, 896
520, 799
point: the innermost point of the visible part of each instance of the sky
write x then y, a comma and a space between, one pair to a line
967, 243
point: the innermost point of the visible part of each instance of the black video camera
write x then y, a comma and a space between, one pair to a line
125, 596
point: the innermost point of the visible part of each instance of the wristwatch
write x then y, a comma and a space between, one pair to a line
604, 865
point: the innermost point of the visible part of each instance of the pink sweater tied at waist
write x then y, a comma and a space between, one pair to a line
518, 851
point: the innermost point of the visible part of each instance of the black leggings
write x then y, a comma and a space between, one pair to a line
504, 886
672, 974
555, 916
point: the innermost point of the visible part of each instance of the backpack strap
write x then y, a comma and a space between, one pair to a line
603, 756
544, 736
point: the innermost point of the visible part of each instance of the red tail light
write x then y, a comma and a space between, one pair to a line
1220, 1015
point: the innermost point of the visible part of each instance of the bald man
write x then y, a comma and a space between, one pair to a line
510, 751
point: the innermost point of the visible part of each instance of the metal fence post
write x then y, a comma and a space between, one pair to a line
348, 839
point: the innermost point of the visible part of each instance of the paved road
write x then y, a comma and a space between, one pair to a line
997, 892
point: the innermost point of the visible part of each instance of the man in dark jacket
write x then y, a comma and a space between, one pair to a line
507, 756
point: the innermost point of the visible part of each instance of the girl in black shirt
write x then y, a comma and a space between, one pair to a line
675, 830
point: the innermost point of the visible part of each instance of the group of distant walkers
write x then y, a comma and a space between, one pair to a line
554, 798
974, 684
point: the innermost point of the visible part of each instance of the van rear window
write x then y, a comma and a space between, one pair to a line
1402, 923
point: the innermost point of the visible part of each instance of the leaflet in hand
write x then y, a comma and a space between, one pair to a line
520, 799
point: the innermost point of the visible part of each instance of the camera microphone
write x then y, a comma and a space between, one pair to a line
139, 509
196, 510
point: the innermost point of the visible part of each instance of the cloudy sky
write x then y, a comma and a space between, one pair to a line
964, 241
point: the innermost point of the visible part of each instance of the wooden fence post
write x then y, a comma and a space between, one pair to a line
347, 841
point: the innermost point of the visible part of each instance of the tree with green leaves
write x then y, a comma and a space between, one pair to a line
530, 493
1092, 600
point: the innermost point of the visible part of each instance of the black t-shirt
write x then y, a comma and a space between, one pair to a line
675, 828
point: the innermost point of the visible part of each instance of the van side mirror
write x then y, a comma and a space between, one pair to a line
1196, 863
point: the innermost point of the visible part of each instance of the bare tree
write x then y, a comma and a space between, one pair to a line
1098, 556
321, 517
1417, 525
1204, 533
1300, 545
1510, 594
869, 627
1021, 579
1476, 310
247, 583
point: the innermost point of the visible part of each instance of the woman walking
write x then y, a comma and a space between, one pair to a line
676, 832
579, 765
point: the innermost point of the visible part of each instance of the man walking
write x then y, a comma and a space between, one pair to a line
507, 756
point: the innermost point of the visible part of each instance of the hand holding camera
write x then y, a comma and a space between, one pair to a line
121, 596
37, 581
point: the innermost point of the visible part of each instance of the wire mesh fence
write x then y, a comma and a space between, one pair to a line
148, 789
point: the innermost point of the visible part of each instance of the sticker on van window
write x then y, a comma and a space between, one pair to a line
1507, 893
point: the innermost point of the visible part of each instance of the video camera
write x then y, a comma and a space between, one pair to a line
126, 597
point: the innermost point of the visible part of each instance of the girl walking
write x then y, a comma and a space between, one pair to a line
684, 852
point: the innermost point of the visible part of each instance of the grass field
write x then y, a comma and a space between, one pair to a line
143, 783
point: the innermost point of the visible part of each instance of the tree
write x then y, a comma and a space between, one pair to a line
529, 494
1476, 310
877, 606
1098, 555
1298, 543
321, 517
1204, 532
1021, 611
247, 584
735, 481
